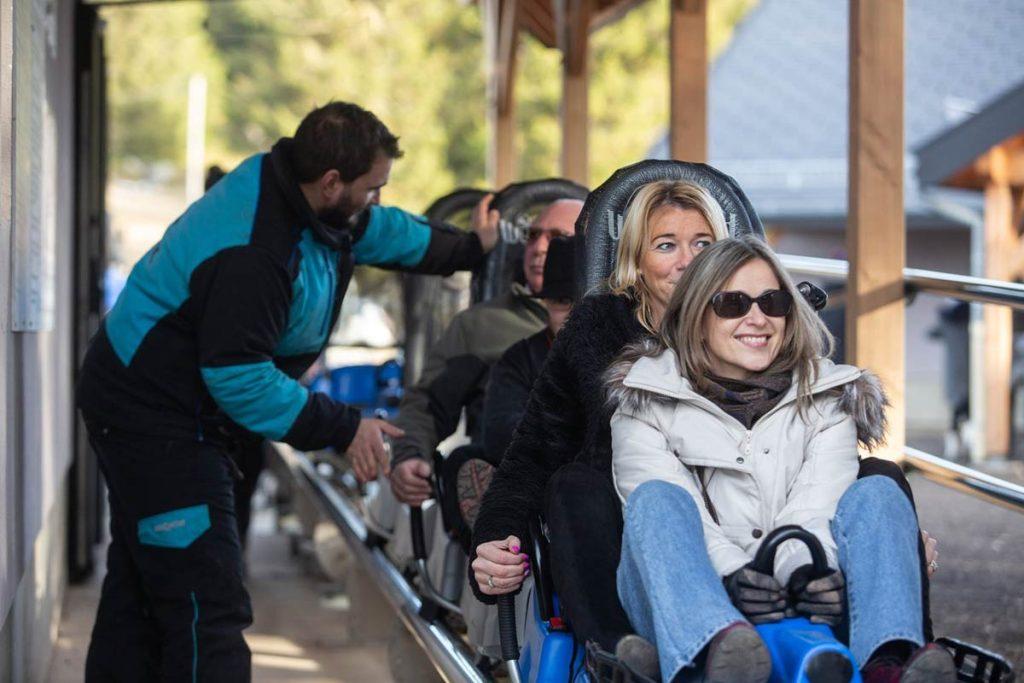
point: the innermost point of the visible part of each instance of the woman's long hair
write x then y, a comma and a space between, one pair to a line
805, 341
626, 278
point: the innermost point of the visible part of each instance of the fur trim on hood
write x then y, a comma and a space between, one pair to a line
863, 398
631, 399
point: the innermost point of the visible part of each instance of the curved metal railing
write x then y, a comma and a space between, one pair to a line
964, 288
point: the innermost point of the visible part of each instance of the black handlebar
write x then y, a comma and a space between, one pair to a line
419, 543
507, 627
764, 560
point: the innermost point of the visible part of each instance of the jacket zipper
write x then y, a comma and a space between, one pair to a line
330, 299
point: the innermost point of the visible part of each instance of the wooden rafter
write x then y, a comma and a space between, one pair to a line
539, 17
501, 29
507, 47
688, 75
610, 11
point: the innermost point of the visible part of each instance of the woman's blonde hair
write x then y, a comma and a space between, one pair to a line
804, 342
626, 277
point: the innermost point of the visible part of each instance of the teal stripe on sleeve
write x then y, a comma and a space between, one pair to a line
257, 396
393, 237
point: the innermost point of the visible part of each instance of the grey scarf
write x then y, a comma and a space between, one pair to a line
748, 400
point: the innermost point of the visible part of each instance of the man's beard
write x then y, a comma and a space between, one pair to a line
340, 215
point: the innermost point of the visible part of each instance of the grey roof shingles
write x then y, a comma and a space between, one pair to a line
777, 111
955, 148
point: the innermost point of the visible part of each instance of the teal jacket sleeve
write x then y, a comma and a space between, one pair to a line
392, 238
246, 298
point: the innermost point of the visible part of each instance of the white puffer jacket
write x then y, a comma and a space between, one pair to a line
787, 469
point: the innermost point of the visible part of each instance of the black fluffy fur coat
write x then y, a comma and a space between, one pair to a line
566, 419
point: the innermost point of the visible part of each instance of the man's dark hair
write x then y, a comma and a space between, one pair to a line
213, 174
341, 136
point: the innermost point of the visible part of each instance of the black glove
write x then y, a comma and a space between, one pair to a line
820, 598
758, 596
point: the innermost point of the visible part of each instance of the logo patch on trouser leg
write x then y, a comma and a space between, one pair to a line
175, 529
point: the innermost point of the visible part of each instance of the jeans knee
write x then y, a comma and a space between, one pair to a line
875, 497
660, 503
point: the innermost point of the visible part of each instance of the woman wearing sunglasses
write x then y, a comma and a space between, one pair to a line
734, 424
559, 460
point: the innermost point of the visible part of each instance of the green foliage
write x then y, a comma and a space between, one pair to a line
418, 64
147, 99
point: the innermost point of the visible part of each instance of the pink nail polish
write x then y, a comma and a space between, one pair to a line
527, 572
515, 549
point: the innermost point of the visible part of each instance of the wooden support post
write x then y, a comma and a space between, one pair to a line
688, 74
574, 39
1001, 245
875, 231
501, 27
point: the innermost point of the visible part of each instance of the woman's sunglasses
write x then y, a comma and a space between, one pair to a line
775, 303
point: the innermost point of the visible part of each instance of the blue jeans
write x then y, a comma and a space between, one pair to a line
676, 600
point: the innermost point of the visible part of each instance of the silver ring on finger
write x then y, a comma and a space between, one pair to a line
490, 581
933, 565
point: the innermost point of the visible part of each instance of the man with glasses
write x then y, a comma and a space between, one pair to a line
456, 373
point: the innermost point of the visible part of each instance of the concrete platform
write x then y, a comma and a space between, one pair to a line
305, 629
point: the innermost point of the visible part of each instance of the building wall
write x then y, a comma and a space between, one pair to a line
36, 268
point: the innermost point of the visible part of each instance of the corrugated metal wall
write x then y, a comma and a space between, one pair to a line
36, 322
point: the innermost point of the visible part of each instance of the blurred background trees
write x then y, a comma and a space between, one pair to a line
418, 64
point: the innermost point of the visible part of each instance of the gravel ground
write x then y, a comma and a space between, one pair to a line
978, 591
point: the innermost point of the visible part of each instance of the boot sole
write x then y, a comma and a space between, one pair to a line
934, 666
829, 667
740, 657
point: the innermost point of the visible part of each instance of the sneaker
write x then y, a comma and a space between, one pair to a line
639, 655
829, 667
929, 664
737, 655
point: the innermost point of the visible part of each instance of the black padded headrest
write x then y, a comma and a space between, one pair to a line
446, 207
600, 222
518, 204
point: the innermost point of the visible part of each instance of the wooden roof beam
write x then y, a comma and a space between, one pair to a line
539, 19
688, 78
573, 22
610, 11
501, 33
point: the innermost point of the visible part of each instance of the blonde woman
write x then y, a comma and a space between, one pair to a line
559, 460
730, 425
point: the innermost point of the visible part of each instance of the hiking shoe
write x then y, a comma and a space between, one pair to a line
737, 655
638, 654
929, 664
829, 667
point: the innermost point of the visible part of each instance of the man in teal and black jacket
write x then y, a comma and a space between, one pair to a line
203, 349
